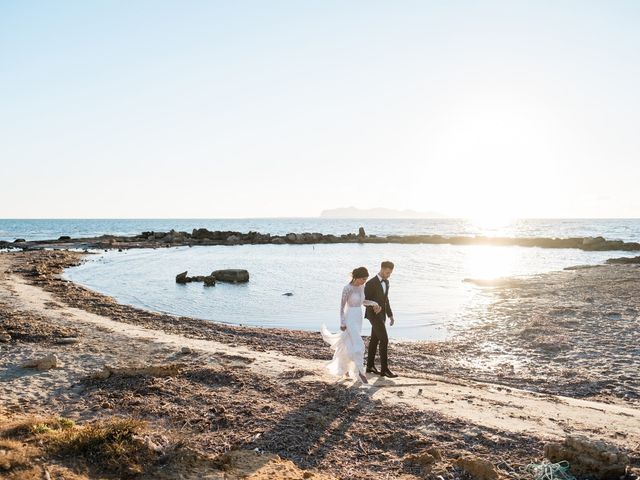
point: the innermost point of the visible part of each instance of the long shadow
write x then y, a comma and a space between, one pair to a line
310, 432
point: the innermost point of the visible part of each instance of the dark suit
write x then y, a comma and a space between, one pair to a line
373, 290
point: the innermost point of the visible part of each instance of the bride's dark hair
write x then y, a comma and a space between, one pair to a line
359, 272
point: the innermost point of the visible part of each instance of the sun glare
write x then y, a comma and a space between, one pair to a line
488, 262
492, 224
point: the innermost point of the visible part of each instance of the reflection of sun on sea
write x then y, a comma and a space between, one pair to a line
488, 262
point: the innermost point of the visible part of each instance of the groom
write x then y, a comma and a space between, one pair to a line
377, 289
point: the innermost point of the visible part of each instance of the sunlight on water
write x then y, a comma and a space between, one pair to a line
428, 294
487, 262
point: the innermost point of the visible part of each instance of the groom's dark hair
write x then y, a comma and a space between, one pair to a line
387, 264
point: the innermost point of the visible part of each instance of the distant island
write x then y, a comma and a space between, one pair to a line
353, 212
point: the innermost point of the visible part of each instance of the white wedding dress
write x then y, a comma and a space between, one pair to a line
348, 346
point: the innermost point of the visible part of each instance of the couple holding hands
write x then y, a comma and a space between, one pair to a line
347, 344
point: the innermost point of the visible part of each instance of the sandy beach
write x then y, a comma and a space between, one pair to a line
552, 355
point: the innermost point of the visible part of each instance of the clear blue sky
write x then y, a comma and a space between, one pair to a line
285, 108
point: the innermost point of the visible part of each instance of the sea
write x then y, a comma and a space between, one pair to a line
299, 286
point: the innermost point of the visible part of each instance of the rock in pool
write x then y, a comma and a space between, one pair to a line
231, 275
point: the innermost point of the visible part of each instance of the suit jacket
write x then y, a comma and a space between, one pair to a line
373, 290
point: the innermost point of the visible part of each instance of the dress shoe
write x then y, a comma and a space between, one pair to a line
389, 374
373, 370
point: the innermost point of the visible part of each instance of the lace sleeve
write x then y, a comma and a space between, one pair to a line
370, 303
343, 301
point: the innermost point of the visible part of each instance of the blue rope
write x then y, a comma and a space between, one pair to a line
550, 471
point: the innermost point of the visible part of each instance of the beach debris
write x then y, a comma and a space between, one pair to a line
478, 468
43, 363
550, 471
593, 458
231, 275
170, 370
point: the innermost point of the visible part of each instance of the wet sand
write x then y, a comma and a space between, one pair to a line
551, 355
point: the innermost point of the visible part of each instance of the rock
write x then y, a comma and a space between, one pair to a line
624, 260
278, 240
209, 281
288, 294
44, 363
201, 233
182, 277
101, 374
19, 240
592, 458
233, 239
186, 351
426, 458
5, 338
64, 237
361, 233
476, 467
67, 341
151, 445
588, 241
231, 275
292, 237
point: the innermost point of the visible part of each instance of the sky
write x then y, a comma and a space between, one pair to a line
218, 109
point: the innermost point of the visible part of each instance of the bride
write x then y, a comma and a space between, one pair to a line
347, 344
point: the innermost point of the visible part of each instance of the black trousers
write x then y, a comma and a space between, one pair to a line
380, 338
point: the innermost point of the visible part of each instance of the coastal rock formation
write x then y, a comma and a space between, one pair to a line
182, 277
202, 236
209, 280
231, 276
624, 260
592, 458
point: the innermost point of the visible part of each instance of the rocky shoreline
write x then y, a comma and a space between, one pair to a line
202, 236
531, 332
220, 390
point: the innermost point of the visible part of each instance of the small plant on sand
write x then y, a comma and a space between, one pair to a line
113, 445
